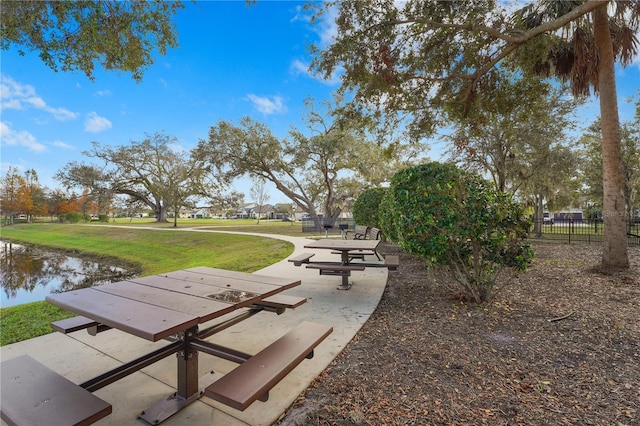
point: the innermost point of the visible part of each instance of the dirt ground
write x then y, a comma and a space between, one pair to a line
558, 345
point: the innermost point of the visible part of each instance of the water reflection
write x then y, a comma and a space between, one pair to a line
28, 273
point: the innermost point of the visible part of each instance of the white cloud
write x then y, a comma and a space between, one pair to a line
326, 27
300, 14
105, 92
63, 145
36, 102
10, 137
299, 67
96, 124
15, 95
267, 105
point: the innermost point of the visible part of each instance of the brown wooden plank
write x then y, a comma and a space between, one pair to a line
69, 325
302, 258
203, 307
338, 267
163, 282
227, 283
392, 262
140, 319
201, 288
243, 276
254, 378
283, 301
346, 245
34, 395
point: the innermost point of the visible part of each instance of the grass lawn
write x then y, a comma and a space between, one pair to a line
151, 251
238, 225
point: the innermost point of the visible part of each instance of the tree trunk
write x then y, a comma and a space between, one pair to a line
162, 214
538, 215
614, 253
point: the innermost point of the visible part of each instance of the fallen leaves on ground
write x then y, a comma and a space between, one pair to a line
558, 345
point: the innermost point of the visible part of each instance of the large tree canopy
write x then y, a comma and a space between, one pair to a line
523, 121
590, 166
321, 171
429, 60
72, 35
149, 171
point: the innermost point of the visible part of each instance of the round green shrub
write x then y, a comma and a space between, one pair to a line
367, 206
73, 217
457, 220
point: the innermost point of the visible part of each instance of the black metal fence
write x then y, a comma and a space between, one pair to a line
580, 231
330, 226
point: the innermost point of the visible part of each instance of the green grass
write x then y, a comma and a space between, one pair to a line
238, 225
26, 321
152, 251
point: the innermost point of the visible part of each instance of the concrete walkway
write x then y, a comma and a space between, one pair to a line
79, 356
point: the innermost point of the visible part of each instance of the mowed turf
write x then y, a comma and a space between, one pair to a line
150, 251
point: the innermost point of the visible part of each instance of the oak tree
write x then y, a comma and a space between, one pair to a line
429, 60
149, 171
74, 35
320, 171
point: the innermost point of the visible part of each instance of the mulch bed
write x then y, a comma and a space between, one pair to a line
558, 345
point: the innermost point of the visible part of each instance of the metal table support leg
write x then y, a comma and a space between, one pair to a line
345, 277
188, 390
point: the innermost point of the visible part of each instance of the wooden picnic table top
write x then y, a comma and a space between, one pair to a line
344, 245
158, 306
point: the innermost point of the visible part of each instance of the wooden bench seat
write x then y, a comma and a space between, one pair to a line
253, 379
360, 254
330, 269
281, 302
34, 395
302, 258
79, 322
392, 262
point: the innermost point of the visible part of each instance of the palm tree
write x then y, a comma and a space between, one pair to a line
432, 62
584, 54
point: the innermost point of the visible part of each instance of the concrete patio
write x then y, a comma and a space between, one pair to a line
80, 356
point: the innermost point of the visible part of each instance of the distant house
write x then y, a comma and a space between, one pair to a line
200, 213
251, 210
565, 216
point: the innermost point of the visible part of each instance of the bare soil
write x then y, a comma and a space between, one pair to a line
558, 345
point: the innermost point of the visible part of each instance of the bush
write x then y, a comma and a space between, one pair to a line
366, 207
386, 214
103, 218
457, 220
72, 217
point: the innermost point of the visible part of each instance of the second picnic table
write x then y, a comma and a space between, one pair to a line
346, 248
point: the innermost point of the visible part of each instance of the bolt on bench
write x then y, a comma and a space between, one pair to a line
34, 395
253, 379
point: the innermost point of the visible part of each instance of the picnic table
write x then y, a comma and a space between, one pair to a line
348, 250
171, 306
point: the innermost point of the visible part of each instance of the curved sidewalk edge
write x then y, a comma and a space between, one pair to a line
79, 356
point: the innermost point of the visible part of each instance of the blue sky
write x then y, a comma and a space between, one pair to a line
232, 61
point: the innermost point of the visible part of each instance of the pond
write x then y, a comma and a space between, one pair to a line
29, 274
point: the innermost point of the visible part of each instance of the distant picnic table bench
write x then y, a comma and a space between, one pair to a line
362, 232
